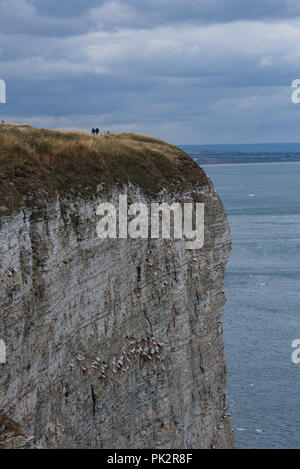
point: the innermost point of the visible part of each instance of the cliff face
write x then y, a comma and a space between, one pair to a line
76, 310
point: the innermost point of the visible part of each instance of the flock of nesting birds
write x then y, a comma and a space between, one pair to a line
146, 349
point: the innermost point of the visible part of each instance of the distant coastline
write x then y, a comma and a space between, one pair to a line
229, 162
244, 153
250, 164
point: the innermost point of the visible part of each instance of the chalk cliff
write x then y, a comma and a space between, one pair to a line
77, 312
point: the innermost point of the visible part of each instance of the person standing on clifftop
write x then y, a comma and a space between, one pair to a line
93, 131
97, 131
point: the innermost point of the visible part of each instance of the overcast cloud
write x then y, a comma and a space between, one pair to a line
205, 71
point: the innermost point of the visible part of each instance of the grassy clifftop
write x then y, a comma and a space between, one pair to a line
41, 162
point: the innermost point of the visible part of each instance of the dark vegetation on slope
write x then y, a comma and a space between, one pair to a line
37, 163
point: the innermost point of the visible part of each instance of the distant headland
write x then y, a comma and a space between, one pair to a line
244, 153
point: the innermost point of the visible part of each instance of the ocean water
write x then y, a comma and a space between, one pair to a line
262, 314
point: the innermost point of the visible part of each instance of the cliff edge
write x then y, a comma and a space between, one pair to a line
110, 343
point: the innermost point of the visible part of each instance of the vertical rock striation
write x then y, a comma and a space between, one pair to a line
112, 343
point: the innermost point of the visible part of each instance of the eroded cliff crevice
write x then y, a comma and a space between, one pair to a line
113, 343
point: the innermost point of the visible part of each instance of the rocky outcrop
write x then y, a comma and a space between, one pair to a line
112, 343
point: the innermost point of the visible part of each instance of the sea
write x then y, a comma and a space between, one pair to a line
262, 314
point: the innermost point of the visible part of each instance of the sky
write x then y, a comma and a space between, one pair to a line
186, 71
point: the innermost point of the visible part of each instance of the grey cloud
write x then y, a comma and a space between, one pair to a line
21, 17
65, 8
174, 69
75, 17
252, 115
156, 12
